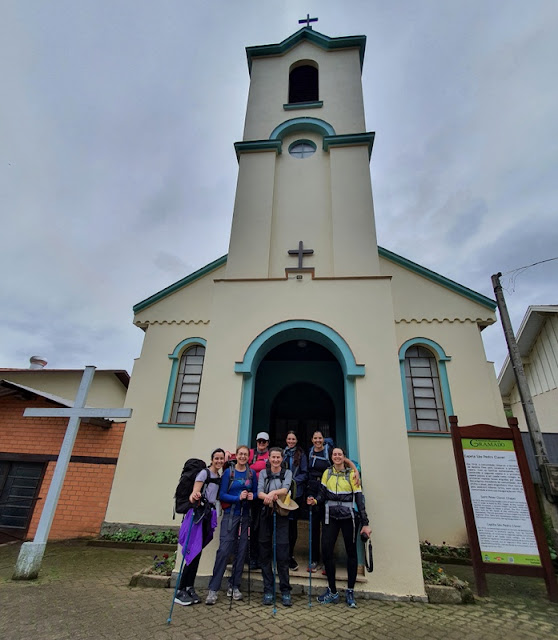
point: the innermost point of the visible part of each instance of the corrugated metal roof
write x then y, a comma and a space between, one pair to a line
8, 388
526, 335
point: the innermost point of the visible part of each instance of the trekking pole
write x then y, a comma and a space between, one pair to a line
274, 561
249, 554
181, 565
310, 557
236, 558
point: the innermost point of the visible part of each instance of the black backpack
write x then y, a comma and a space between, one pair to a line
190, 470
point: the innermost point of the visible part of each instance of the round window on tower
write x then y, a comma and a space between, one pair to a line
302, 148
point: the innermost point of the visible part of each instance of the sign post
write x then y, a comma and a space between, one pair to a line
504, 525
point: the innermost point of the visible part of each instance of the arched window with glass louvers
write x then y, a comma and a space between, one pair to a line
185, 402
424, 394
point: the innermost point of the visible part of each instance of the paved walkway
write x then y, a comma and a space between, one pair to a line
82, 592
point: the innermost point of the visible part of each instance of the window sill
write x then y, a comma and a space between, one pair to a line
175, 425
430, 434
318, 104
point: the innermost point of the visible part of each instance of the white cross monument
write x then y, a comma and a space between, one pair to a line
31, 553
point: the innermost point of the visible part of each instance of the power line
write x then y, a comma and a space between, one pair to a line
517, 272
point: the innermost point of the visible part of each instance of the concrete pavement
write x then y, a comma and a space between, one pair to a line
82, 592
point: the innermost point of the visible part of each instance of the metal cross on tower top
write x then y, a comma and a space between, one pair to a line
308, 20
300, 252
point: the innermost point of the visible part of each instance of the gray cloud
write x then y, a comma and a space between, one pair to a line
117, 168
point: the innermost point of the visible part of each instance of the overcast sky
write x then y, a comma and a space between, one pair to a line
117, 167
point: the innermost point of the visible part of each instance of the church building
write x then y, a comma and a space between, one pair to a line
307, 323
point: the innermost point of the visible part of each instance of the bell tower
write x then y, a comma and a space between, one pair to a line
304, 162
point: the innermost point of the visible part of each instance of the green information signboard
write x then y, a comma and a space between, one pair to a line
499, 503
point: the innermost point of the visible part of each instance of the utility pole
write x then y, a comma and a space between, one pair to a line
539, 448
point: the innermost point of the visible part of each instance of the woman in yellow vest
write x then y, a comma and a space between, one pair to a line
338, 493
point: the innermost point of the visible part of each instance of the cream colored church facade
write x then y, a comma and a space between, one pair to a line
375, 350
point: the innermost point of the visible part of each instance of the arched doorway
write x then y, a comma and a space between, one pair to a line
292, 353
302, 407
299, 387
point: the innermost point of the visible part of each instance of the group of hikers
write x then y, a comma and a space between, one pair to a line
260, 520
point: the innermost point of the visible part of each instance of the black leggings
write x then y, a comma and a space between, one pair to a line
330, 531
190, 571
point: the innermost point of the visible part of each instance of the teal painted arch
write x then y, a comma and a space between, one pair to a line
293, 125
175, 357
300, 330
441, 358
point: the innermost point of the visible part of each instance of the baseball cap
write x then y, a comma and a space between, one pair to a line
262, 435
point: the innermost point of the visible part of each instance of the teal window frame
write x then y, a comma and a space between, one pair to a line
175, 356
441, 359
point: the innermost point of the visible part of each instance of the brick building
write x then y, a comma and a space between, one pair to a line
29, 449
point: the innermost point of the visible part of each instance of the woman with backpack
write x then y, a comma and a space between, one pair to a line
338, 492
238, 488
295, 460
319, 459
204, 494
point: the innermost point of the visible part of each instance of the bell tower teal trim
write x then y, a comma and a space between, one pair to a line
300, 330
316, 125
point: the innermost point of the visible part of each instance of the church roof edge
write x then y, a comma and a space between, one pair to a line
439, 279
384, 253
167, 291
315, 37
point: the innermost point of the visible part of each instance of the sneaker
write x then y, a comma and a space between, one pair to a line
183, 598
314, 566
195, 597
267, 598
234, 593
328, 597
350, 598
324, 572
286, 599
293, 564
211, 597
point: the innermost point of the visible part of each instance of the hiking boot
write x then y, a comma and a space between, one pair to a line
328, 597
183, 598
267, 598
195, 597
293, 564
314, 566
350, 598
286, 599
211, 597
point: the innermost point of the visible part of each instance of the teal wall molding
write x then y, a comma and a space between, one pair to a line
317, 104
306, 33
175, 358
257, 145
350, 140
441, 358
300, 330
293, 125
